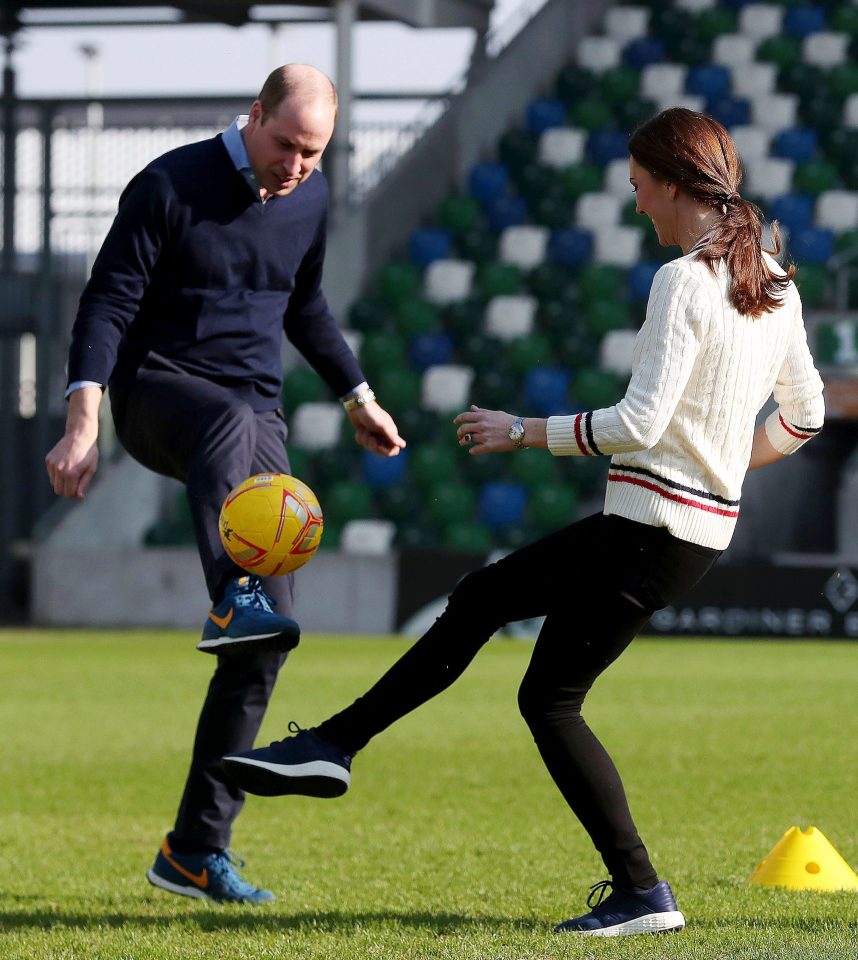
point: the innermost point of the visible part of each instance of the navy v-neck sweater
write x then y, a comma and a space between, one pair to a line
197, 276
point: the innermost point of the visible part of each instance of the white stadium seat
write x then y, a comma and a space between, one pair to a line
597, 210
599, 54
618, 246
316, 425
617, 179
688, 100
510, 316
775, 112
734, 50
523, 245
761, 20
615, 351
850, 111
696, 6
560, 147
752, 143
445, 388
825, 49
448, 281
660, 80
754, 80
837, 210
372, 538
626, 23
768, 177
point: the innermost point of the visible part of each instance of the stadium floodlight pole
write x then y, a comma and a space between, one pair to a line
338, 169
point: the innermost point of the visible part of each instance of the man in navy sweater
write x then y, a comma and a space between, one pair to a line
217, 250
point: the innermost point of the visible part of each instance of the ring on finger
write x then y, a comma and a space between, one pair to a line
467, 438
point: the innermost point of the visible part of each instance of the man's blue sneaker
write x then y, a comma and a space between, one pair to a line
626, 912
244, 622
304, 764
205, 876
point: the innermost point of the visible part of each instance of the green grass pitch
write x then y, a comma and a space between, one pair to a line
452, 843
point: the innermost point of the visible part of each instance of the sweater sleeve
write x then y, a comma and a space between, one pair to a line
311, 328
798, 394
120, 275
666, 349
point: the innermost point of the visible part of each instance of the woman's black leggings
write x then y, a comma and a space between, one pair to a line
596, 583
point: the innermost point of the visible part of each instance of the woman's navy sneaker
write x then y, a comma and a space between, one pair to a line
626, 912
304, 764
204, 876
244, 622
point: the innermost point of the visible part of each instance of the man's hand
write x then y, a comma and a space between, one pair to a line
73, 461
375, 429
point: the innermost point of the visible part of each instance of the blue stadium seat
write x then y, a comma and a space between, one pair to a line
798, 143
424, 246
731, 111
812, 245
606, 145
642, 52
430, 350
383, 472
502, 504
545, 114
503, 212
640, 279
802, 21
546, 391
487, 181
710, 80
793, 211
570, 247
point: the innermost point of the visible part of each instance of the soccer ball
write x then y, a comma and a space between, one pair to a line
271, 524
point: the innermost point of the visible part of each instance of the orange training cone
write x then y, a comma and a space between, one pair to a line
805, 860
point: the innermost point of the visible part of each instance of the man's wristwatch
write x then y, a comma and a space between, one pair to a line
516, 433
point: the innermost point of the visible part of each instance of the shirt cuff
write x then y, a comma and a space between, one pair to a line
77, 384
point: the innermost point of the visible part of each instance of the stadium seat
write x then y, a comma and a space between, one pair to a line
751, 142
850, 111
502, 504
458, 213
571, 247
837, 210
733, 50
552, 507
551, 280
434, 463
591, 114
478, 244
522, 353
510, 315
446, 388
369, 313
598, 54
450, 501
524, 245
504, 212
418, 425
595, 389
401, 502
641, 276
398, 389
798, 143
316, 425
779, 51
717, 20
603, 315
368, 538
643, 51
812, 245
802, 78
417, 316
696, 6
775, 111
496, 279
545, 391
802, 21
663, 80
616, 180
688, 101
615, 352
480, 352
730, 111
544, 114
755, 80
597, 210
768, 177
814, 177
467, 537
487, 181
574, 82
464, 317
619, 85
382, 472
516, 148
561, 146
759, 21
427, 245
826, 50
581, 178
617, 245
606, 145
536, 471
430, 350
626, 23
448, 281
302, 385
794, 211
380, 352
710, 81
397, 281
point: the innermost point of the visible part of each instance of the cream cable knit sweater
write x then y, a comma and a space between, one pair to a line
681, 437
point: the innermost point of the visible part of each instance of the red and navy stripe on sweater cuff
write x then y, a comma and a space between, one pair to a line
584, 435
800, 433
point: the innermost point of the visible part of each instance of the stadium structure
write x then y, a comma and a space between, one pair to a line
489, 253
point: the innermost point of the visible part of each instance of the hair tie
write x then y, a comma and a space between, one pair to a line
733, 197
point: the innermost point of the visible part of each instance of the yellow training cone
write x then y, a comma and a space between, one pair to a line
805, 860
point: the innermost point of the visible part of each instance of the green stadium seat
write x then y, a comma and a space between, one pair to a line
590, 113
480, 351
370, 313
418, 425
433, 463
450, 502
478, 244
532, 350
416, 316
634, 111
459, 214
600, 281
805, 79
574, 84
715, 22
814, 177
843, 80
552, 506
301, 465
576, 350
467, 537
517, 149
559, 316
497, 279
551, 211
397, 282
330, 535
534, 181
398, 390
534, 469
844, 19
380, 352
464, 317
488, 467
400, 503
345, 500
302, 385
594, 389
619, 85
812, 282
603, 316
552, 281
780, 50
493, 389
580, 178
336, 463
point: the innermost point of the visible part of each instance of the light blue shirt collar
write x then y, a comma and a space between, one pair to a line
237, 151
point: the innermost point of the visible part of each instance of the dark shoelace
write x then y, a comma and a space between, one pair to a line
598, 891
